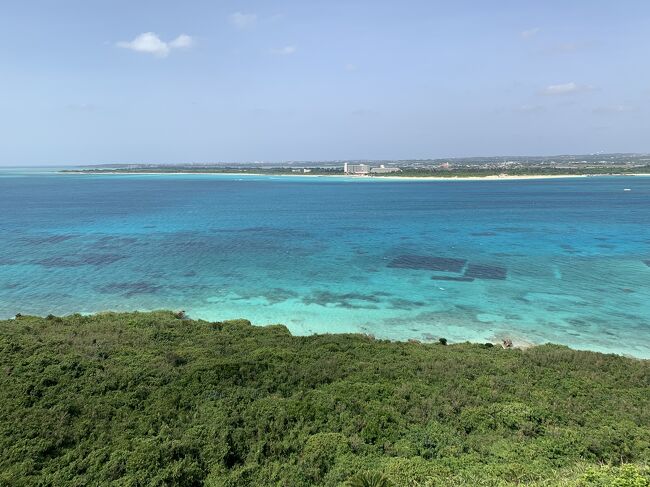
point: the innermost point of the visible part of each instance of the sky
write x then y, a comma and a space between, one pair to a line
142, 81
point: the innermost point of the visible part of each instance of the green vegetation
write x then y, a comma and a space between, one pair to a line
532, 170
458, 171
181, 169
139, 399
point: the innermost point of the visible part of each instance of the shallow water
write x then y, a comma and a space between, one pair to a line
560, 260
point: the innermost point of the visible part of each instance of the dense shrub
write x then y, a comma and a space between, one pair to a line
148, 399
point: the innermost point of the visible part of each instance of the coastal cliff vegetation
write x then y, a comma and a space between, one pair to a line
135, 399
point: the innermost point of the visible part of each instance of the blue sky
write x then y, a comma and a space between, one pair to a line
88, 81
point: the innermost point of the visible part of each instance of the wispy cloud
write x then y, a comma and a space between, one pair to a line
565, 89
183, 41
614, 109
529, 108
242, 21
150, 43
284, 51
274, 18
527, 34
350, 67
568, 47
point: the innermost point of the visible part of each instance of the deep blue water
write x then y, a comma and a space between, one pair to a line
561, 260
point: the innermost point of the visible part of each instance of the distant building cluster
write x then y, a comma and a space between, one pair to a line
365, 169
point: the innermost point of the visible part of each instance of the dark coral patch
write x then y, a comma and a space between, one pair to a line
268, 232
87, 259
58, 262
508, 254
101, 259
278, 295
443, 264
48, 239
273, 296
110, 242
406, 304
453, 278
482, 271
514, 229
342, 300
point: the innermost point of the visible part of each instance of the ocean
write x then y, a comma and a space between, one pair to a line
547, 260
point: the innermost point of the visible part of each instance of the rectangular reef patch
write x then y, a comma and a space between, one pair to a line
482, 271
424, 262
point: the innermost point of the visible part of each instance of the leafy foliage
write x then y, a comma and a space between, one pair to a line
150, 399
369, 480
625, 476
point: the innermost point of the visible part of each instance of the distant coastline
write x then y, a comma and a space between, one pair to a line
488, 177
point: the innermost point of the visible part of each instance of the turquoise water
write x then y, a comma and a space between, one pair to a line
560, 260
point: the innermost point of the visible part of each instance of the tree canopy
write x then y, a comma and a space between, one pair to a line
135, 399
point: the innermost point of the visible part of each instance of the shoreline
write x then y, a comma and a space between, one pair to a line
360, 178
517, 340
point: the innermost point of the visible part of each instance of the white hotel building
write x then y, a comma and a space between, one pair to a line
364, 169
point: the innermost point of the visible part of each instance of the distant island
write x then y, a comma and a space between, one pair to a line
160, 399
479, 167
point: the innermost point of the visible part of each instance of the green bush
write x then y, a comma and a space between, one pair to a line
133, 399
623, 476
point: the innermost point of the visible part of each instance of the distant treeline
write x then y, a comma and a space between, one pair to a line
210, 169
155, 399
531, 170
457, 172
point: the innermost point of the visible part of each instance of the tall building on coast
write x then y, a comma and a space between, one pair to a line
365, 169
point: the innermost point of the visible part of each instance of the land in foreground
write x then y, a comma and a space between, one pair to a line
152, 399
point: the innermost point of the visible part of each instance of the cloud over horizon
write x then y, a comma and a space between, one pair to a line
529, 108
565, 89
613, 109
284, 51
527, 34
150, 43
242, 21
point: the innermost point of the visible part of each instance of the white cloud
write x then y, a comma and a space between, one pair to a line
147, 42
527, 34
183, 41
150, 43
275, 18
611, 109
350, 67
284, 51
242, 21
568, 47
565, 89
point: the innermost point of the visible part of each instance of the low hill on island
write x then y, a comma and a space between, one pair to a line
135, 399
